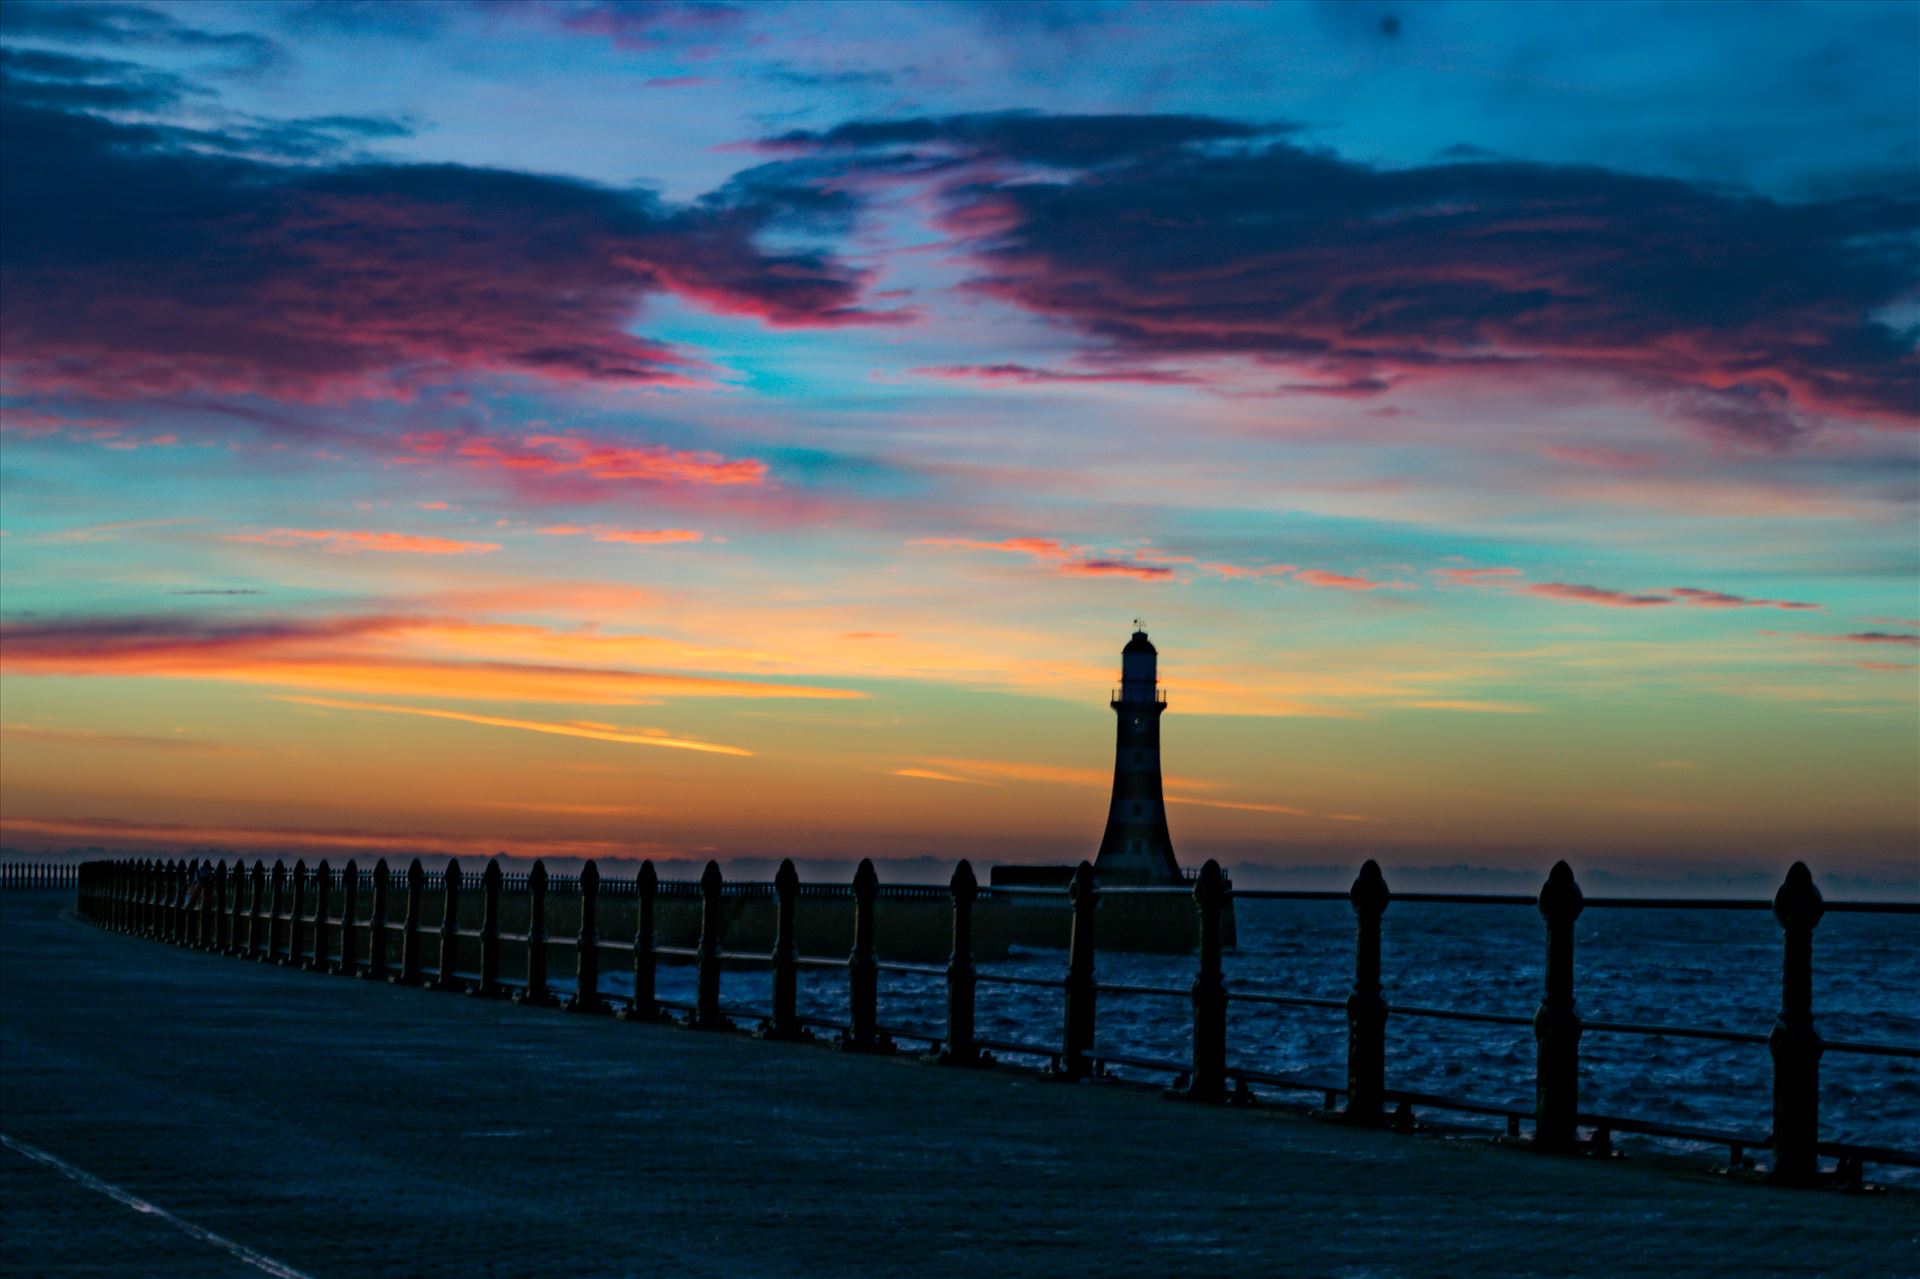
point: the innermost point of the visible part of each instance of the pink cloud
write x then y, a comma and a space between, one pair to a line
648, 536
577, 456
349, 541
1476, 576
1028, 375
1337, 581
1115, 568
1594, 595
1038, 547
1720, 599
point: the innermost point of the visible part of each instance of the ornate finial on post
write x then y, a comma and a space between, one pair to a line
863, 970
1366, 1008
349, 920
586, 951
489, 986
296, 948
706, 1004
962, 978
1077, 1040
785, 1021
376, 969
646, 886
450, 881
1208, 1080
409, 974
322, 890
1556, 1027
1795, 1043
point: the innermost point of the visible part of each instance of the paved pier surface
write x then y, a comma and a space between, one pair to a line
332, 1127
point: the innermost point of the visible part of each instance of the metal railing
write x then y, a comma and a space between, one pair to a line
39, 875
291, 918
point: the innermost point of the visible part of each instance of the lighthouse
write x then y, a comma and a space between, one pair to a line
1136, 847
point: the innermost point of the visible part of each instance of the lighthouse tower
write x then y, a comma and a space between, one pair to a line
1137, 847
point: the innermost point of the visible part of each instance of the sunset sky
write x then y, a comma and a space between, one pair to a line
686, 430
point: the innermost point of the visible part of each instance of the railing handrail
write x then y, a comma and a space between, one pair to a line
206, 905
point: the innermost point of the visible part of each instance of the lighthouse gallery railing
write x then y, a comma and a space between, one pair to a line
291, 918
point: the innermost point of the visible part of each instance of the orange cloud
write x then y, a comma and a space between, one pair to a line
594, 732
354, 654
348, 541
572, 455
632, 536
249, 839
934, 775
1038, 547
1337, 581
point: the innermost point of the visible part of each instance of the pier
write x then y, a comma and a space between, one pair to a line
359, 1127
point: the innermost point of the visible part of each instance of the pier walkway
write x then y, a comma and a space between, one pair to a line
262, 1120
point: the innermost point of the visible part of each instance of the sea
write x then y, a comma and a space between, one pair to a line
1698, 968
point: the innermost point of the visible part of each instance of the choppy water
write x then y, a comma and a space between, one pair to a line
1718, 969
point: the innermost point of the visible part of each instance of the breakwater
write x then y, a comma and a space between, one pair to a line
324, 919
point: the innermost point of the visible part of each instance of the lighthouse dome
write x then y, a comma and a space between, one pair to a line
1139, 644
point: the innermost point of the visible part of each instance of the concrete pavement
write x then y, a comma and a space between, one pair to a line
336, 1127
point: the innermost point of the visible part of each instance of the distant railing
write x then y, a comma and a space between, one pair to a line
38, 875
292, 918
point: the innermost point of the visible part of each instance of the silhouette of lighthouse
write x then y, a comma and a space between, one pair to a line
1136, 847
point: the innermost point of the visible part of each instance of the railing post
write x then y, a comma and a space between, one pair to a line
349, 923
209, 907
410, 926
258, 930
190, 906
646, 885
586, 950
863, 971
1077, 1041
271, 954
237, 923
1366, 1008
962, 979
322, 895
296, 949
785, 1022
169, 888
1556, 1027
489, 987
536, 991
706, 1004
376, 969
149, 914
1209, 1080
216, 907
446, 978
1794, 1043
